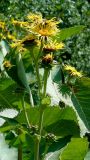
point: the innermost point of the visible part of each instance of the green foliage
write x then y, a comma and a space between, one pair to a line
9, 97
77, 148
42, 129
68, 32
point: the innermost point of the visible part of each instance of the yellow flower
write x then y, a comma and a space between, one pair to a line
2, 25
46, 27
2, 36
11, 37
19, 45
7, 64
20, 23
72, 71
42, 26
35, 17
53, 46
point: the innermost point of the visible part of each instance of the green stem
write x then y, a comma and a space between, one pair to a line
37, 145
36, 153
46, 72
41, 49
45, 152
25, 112
38, 138
37, 69
38, 76
37, 66
20, 152
19, 148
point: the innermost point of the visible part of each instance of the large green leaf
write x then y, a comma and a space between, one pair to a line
80, 100
75, 150
64, 128
51, 115
9, 97
83, 97
69, 32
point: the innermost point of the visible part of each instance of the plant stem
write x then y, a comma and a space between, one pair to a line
38, 76
36, 153
37, 145
46, 72
19, 148
38, 138
45, 151
20, 152
37, 69
25, 112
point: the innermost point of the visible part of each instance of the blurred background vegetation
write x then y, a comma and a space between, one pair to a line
71, 12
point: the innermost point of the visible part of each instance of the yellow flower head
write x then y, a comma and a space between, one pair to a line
53, 46
46, 28
2, 25
17, 43
2, 36
35, 17
7, 64
20, 23
11, 37
42, 26
72, 71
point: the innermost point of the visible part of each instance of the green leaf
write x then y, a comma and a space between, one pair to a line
4, 47
22, 76
51, 115
75, 150
9, 98
83, 97
11, 121
56, 74
21, 71
69, 32
1, 58
6, 127
64, 128
80, 101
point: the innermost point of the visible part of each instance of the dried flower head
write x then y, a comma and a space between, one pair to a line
47, 59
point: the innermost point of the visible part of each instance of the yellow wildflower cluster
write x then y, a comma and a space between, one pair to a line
72, 71
35, 29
